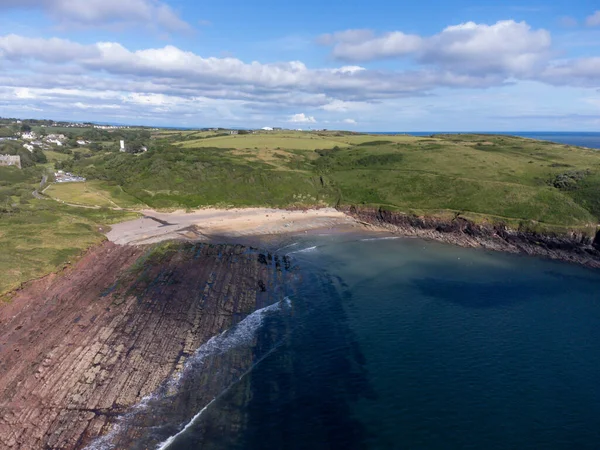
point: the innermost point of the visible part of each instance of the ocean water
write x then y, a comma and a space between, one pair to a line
407, 344
582, 139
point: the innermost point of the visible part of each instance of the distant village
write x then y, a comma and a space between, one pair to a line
40, 136
45, 138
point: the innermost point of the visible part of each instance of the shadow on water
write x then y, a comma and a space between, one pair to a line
302, 394
513, 288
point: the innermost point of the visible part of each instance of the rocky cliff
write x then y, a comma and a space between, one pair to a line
77, 351
573, 247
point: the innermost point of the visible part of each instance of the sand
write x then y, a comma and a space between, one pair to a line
209, 223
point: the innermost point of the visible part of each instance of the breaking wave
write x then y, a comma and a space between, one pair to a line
242, 334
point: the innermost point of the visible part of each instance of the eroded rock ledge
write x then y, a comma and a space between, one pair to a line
575, 247
78, 350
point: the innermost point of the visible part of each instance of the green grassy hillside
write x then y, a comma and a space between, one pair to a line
485, 177
539, 185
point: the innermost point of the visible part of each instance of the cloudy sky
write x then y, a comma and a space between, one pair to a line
432, 65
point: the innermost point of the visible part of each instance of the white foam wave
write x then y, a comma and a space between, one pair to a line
166, 444
241, 334
304, 250
253, 324
286, 246
388, 238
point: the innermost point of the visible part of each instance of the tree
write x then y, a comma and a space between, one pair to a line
25, 128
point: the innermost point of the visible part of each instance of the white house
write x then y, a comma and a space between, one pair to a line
28, 147
80, 142
267, 128
30, 136
122, 143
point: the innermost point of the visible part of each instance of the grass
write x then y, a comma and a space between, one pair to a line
484, 178
44, 236
288, 141
93, 193
501, 177
38, 237
491, 175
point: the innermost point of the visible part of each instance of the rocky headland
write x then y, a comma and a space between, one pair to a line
574, 247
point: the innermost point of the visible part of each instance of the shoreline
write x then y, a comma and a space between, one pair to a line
244, 224
205, 225
81, 348
575, 248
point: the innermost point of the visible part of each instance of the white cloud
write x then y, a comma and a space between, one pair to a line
593, 20
390, 45
93, 13
349, 121
505, 47
172, 70
576, 72
302, 118
52, 50
107, 78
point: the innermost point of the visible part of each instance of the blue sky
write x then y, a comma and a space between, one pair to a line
367, 66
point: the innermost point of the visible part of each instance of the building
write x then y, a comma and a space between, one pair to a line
29, 136
29, 147
267, 128
122, 148
233, 132
10, 160
67, 177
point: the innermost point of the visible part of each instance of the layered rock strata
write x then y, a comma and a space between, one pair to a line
77, 351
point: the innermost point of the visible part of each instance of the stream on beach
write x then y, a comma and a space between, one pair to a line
392, 343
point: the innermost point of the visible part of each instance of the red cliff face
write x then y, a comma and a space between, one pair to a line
79, 349
574, 247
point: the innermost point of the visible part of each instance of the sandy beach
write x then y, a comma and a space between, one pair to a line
206, 223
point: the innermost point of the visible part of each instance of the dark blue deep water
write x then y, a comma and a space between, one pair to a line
407, 344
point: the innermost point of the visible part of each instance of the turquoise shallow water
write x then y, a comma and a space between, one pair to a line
406, 344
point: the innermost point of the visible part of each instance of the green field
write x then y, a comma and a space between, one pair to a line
38, 237
295, 141
286, 140
93, 193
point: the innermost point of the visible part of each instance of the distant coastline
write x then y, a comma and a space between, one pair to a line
589, 139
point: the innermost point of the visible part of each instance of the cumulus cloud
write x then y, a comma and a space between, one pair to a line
54, 50
62, 75
584, 72
593, 20
349, 121
349, 46
92, 13
506, 47
302, 118
174, 70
